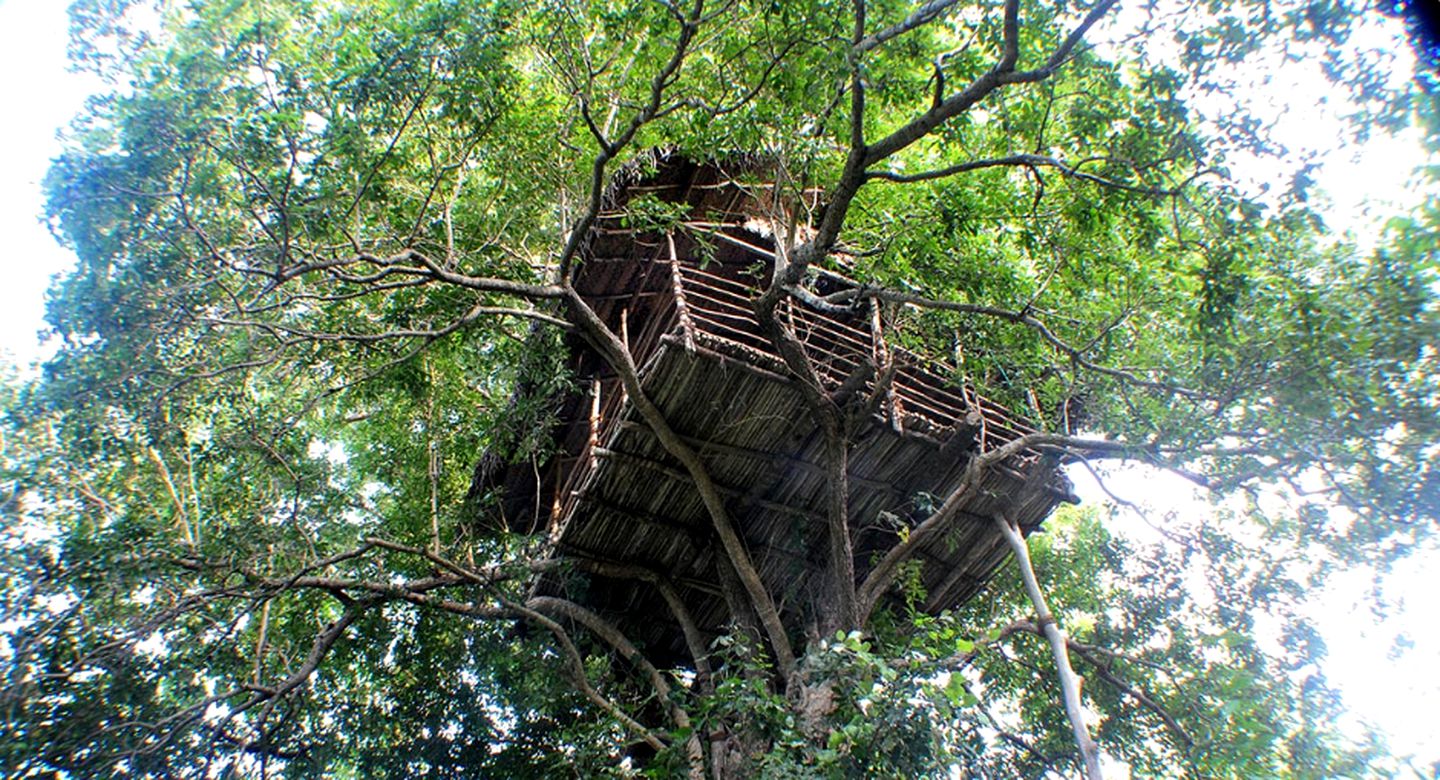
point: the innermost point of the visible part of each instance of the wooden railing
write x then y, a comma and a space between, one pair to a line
719, 309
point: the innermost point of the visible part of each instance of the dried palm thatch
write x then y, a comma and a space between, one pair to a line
677, 286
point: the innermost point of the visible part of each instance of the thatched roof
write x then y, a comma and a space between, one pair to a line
680, 297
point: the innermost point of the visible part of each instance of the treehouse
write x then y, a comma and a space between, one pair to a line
679, 295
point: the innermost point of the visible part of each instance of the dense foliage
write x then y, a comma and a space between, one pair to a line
321, 244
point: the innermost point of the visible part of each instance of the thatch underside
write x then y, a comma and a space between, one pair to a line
636, 505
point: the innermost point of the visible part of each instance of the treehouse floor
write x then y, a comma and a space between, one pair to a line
629, 502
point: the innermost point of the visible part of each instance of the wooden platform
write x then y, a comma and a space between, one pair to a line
681, 301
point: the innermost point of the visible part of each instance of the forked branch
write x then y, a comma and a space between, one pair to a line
883, 575
617, 640
862, 156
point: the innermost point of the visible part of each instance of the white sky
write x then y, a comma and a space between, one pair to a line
42, 97
1396, 692
1388, 669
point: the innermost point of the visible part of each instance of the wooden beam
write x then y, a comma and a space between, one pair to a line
637, 294
708, 588
695, 535
742, 362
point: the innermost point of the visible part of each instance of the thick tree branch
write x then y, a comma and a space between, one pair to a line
418, 592
1010, 43
694, 639
839, 558
618, 357
1002, 74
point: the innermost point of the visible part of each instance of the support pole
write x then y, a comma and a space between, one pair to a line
625, 339
881, 357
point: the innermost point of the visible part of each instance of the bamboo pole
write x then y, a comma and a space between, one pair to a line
1069, 681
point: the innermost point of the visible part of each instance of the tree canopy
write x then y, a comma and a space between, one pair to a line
321, 245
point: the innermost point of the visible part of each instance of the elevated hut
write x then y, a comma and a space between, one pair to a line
674, 275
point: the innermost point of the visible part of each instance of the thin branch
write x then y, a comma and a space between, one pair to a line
1022, 160
925, 14
1104, 667
580, 230
327, 638
485, 577
470, 317
694, 640
576, 665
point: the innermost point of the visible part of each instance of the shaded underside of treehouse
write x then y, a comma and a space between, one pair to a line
680, 297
